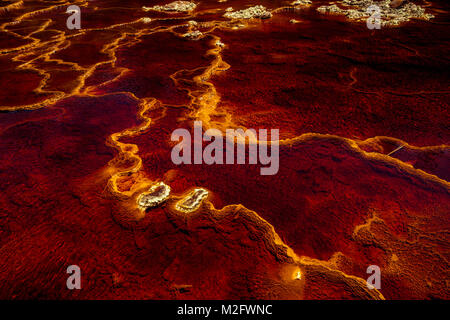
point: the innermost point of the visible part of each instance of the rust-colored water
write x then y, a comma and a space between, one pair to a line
85, 126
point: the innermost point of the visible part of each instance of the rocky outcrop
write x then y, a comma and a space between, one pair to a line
176, 6
389, 15
193, 35
253, 12
301, 3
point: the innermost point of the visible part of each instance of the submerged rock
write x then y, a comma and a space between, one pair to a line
155, 196
192, 201
253, 12
396, 3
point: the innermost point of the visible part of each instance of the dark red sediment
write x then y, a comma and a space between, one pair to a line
363, 170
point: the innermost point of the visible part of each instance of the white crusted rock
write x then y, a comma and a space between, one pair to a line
155, 196
192, 201
253, 12
389, 15
193, 35
176, 6
301, 3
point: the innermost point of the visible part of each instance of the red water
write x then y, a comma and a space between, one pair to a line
344, 96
